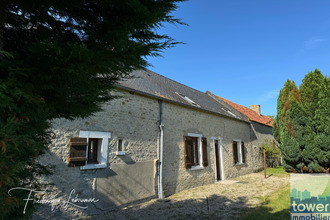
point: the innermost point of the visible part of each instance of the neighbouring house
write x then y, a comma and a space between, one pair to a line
261, 125
158, 137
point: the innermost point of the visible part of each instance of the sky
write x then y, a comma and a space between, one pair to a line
245, 50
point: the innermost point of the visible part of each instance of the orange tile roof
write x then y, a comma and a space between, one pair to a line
252, 115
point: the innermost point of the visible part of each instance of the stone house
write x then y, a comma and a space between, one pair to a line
261, 125
158, 137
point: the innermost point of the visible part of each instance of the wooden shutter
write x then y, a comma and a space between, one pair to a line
204, 151
243, 152
235, 153
77, 151
188, 152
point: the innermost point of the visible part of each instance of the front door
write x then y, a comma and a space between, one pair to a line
217, 159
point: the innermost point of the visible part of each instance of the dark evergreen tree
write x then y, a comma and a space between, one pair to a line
288, 125
315, 96
59, 59
302, 124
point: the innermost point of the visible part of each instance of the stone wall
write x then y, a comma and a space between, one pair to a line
260, 133
178, 122
130, 177
134, 118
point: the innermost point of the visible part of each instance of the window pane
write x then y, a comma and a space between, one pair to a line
235, 152
120, 145
92, 150
195, 150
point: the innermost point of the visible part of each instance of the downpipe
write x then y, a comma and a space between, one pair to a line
161, 149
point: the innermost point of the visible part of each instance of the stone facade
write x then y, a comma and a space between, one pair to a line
130, 117
134, 118
260, 133
178, 122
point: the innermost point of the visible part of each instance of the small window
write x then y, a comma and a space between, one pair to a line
195, 147
120, 147
238, 152
89, 150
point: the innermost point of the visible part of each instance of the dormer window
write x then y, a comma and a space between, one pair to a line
187, 99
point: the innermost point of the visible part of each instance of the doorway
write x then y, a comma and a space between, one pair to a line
217, 160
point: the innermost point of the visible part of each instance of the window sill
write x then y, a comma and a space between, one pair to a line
120, 153
93, 166
196, 168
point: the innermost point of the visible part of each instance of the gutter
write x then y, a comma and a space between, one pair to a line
161, 149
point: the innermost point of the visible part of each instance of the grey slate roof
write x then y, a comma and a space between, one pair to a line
152, 84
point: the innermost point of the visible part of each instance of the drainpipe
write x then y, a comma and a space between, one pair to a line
161, 146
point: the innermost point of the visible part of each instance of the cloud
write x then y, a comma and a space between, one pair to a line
268, 96
314, 42
310, 44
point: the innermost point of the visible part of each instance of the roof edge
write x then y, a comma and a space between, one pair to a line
215, 97
178, 103
220, 99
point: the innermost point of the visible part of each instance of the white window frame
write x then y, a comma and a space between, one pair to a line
239, 151
200, 154
220, 150
102, 154
122, 152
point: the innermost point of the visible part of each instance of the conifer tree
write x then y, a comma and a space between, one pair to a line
302, 124
288, 129
60, 59
315, 96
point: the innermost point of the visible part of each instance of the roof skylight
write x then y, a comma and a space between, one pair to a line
187, 99
229, 112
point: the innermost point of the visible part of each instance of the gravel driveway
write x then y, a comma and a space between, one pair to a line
224, 200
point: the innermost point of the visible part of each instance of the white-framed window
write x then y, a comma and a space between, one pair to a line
89, 150
195, 150
120, 147
238, 152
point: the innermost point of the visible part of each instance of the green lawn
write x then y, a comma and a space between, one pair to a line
277, 206
279, 171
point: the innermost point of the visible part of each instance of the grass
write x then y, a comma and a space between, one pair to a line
276, 206
278, 171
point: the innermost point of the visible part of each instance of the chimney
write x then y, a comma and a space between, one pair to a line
255, 108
